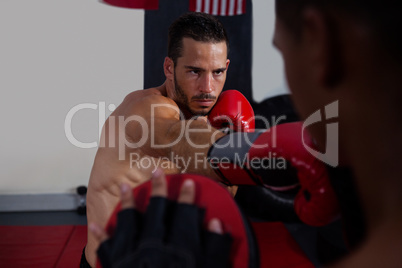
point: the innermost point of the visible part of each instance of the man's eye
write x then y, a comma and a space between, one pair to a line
194, 71
218, 72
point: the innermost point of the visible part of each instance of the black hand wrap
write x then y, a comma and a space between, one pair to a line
169, 234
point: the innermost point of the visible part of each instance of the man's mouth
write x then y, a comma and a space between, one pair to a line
204, 102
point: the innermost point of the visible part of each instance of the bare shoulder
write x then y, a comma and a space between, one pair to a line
149, 102
157, 93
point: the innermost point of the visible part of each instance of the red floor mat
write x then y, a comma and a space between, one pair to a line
61, 246
41, 246
71, 255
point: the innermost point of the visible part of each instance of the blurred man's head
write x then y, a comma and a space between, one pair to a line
346, 50
382, 18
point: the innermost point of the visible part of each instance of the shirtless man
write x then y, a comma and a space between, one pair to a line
147, 130
350, 51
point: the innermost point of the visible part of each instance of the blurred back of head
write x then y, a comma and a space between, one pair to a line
383, 18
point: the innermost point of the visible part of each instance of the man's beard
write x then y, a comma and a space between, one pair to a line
183, 103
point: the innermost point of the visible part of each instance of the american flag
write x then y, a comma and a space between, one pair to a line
219, 7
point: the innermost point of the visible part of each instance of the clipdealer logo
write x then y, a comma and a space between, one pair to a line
331, 155
330, 111
146, 129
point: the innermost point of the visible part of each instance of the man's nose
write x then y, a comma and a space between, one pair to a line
206, 85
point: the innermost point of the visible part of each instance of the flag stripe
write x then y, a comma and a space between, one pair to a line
223, 8
206, 6
198, 5
216, 7
231, 8
239, 7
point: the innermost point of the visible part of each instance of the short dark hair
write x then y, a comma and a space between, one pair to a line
198, 26
382, 16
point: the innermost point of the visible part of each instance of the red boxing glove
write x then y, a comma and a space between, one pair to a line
232, 110
278, 160
316, 202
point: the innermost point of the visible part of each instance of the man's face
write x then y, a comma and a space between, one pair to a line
199, 75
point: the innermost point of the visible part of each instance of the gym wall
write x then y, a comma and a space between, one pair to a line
57, 56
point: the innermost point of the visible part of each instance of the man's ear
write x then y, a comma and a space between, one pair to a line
322, 43
227, 64
168, 68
